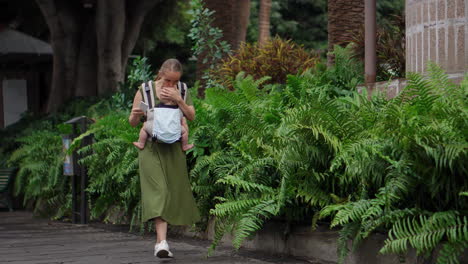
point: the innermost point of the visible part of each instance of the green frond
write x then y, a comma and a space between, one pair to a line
234, 207
424, 233
351, 212
245, 185
221, 227
451, 252
313, 195
349, 231
252, 221
331, 210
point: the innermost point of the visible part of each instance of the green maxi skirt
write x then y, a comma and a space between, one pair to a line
165, 187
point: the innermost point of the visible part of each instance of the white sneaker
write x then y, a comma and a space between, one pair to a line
161, 250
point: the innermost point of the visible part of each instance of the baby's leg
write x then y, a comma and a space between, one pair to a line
141, 139
184, 137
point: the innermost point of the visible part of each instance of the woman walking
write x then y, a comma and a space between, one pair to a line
165, 188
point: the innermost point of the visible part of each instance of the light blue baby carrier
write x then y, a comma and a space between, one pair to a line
163, 122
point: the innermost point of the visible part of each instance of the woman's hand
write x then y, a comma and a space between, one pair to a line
171, 94
137, 112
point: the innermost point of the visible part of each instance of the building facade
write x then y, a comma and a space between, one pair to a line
437, 30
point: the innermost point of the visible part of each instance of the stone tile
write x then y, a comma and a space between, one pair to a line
441, 47
392, 90
419, 14
461, 8
433, 11
462, 63
433, 46
28, 240
441, 10
413, 54
407, 53
419, 57
451, 61
451, 8
425, 49
425, 12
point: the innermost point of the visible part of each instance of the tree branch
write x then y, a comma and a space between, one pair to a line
62, 20
136, 12
49, 10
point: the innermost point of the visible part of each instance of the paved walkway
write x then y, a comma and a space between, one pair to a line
27, 240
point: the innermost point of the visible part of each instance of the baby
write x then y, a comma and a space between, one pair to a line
143, 136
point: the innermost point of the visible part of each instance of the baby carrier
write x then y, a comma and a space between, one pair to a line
162, 121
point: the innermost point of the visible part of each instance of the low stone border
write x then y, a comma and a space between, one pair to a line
318, 246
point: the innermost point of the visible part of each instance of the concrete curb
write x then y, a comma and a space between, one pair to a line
317, 246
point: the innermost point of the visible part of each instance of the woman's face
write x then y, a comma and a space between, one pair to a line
170, 78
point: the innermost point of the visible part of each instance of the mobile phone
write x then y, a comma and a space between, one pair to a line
143, 106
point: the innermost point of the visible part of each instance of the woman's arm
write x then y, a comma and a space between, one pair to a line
136, 112
188, 110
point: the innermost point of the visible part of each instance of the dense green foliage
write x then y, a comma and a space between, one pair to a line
305, 21
208, 46
276, 59
309, 149
34, 145
305, 151
112, 164
391, 50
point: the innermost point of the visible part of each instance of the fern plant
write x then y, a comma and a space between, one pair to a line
315, 148
421, 149
112, 166
40, 176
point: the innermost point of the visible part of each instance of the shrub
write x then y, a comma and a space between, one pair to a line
349, 159
390, 48
37, 152
112, 164
276, 59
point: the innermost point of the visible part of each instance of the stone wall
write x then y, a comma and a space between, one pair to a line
437, 30
318, 246
390, 88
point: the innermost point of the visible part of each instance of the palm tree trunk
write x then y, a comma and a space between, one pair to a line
345, 18
264, 22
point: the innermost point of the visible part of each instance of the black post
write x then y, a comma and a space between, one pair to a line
80, 171
74, 203
75, 211
84, 180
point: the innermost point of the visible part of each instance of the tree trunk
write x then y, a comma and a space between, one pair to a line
242, 17
86, 79
91, 46
110, 26
264, 22
232, 17
345, 18
63, 27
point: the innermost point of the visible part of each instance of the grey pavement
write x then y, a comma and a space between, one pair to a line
28, 240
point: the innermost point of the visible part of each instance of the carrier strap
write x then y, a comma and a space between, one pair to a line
151, 91
183, 89
148, 92
145, 93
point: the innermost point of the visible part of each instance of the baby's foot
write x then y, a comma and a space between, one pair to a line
187, 147
139, 145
